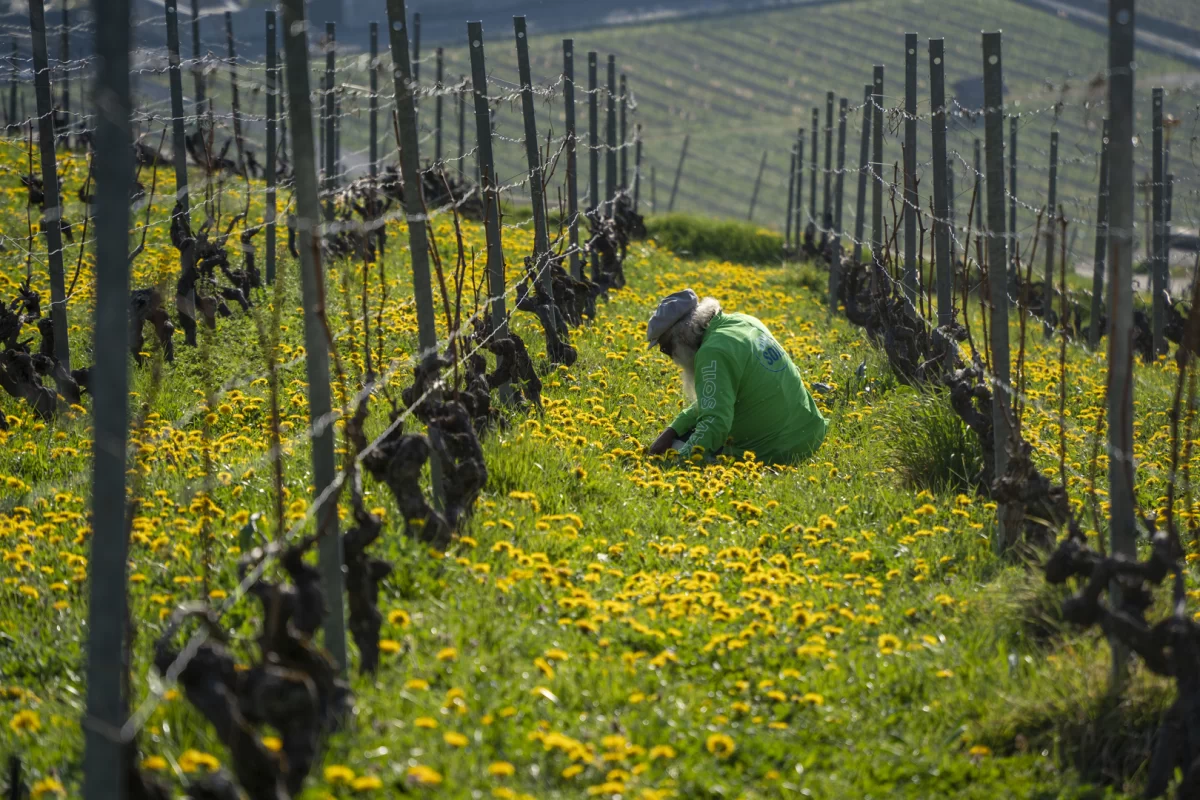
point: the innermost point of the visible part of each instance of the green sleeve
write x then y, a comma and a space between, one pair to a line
686, 420
717, 379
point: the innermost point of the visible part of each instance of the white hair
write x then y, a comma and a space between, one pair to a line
683, 340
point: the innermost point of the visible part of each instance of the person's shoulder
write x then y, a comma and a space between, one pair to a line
729, 332
734, 320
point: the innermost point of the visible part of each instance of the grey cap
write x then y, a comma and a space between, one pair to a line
671, 309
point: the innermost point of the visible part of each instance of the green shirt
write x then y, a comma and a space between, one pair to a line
748, 389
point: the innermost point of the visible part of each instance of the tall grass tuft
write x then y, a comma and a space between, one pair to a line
723, 240
930, 446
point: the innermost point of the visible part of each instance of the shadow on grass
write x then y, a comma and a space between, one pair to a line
1073, 717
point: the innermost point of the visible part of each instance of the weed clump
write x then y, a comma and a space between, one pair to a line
694, 237
931, 448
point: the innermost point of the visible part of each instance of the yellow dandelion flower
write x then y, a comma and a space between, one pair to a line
720, 745
45, 787
501, 769
888, 643
423, 775
25, 722
366, 783
193, 760
338, 773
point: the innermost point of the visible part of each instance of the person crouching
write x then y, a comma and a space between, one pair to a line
741, 385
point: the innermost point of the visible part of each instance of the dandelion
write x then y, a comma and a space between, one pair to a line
25, 722
720, 745
888, 643
399, 617
272, 743
366, 783
501, 769
193, 760
422, 775
447, 654
154, 763
389, 646
416, 684
979, 751
47, 786
337, 773
455, 739
425, 722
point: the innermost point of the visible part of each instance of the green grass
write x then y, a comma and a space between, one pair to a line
607, 623
699, 238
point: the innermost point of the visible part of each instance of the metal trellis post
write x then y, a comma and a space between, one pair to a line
105, 758
762, 165
826, 207
440, 68
238, 141
330, 112
178, 133
1101, 241
814, 168
624, 133
272, 121
1120, 259
593, 134
912, 203
1050, 227
308, 227
53, 205
637, 164
993, 102
487, 179
1014, 249
572, 158
610, 155
1158, 266
64, 56
462, 126
877, 239
835, 263
541, 239
799, 210
791, 196
197, 65
943, 260
864, 168
678, 172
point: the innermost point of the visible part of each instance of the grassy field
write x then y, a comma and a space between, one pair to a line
607, 623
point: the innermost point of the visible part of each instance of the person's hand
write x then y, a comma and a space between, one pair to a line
663, 443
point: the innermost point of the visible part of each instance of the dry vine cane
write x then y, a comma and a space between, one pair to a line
1169, 647
292, 686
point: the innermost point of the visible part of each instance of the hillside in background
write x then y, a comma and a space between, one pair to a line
742, 86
